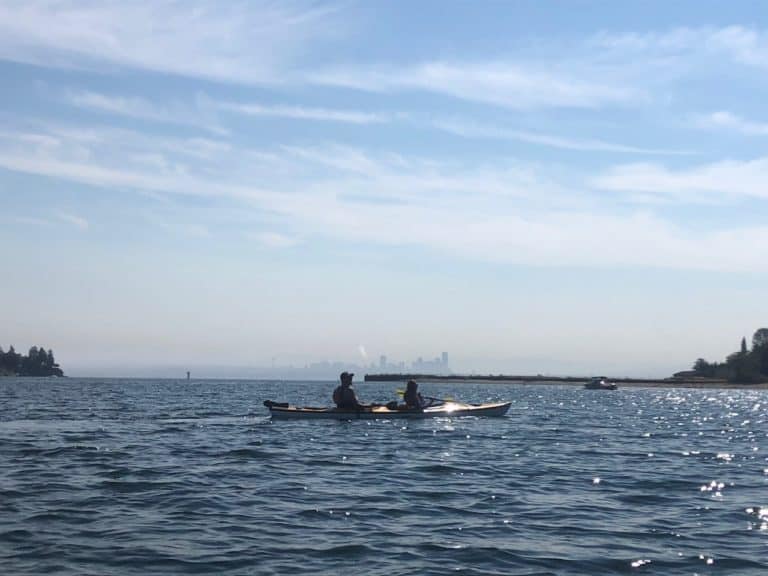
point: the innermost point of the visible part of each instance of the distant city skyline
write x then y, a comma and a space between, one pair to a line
578, 189
324, 369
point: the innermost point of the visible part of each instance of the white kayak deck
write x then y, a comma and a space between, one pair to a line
448, 409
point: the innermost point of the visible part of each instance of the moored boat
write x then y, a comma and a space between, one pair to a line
448, 409
600, 383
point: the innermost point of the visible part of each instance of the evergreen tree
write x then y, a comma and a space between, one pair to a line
12, 359
761, 359
704, 368
760, 338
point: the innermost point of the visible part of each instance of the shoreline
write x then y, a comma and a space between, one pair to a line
619, 383
704, 384
701, 383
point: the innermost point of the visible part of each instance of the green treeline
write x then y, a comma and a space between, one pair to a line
745, 365
37, 363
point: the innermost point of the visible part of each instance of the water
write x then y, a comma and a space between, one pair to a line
159, 477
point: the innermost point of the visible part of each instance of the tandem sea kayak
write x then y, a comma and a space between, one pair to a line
284, 411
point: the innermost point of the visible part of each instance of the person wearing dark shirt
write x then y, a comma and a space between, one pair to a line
412, 398
344, 395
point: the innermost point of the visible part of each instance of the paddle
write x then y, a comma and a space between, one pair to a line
401, 392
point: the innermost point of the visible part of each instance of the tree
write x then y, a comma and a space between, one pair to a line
703, 368
742, 366
760, 338
12, 360
38, 362
761, 357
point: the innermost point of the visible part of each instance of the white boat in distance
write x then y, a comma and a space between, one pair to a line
600, 383
284, 411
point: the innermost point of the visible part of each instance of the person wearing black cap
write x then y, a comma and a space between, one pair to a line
344, 395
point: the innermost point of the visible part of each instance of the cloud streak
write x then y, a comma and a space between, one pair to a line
231, 42
508, 84
195, 115
728, 178
74, 220
499, 212
725, 120
746, 46
304, 113
480, 131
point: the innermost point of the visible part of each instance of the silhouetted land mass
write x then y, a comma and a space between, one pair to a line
746, 366
38, 362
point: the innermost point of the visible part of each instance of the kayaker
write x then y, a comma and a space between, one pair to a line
344, 395
413, 398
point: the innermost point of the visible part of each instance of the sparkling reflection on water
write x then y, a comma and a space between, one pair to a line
138, 477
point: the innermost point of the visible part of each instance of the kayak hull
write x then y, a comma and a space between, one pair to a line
447, 410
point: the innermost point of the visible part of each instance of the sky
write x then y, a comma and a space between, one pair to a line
534, 187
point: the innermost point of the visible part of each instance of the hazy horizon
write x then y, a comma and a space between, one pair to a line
534, 188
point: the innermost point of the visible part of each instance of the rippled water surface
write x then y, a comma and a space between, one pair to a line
161, 477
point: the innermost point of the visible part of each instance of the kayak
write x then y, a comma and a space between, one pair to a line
285, 411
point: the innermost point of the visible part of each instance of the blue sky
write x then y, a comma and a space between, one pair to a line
571, 187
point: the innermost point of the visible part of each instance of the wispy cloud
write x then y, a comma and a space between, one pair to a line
510, 84
481, 131
499, 211
744, 45
74, 220
131, 161
234, 42
305, 113
729, 121
601, 71
203, 112
197, 114
132, 107
729, 178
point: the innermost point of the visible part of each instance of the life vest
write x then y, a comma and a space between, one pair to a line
413, 399
345, 398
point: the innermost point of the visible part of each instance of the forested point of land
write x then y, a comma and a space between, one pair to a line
747, 365
38, 362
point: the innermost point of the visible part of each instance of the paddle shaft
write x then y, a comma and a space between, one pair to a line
401, 392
